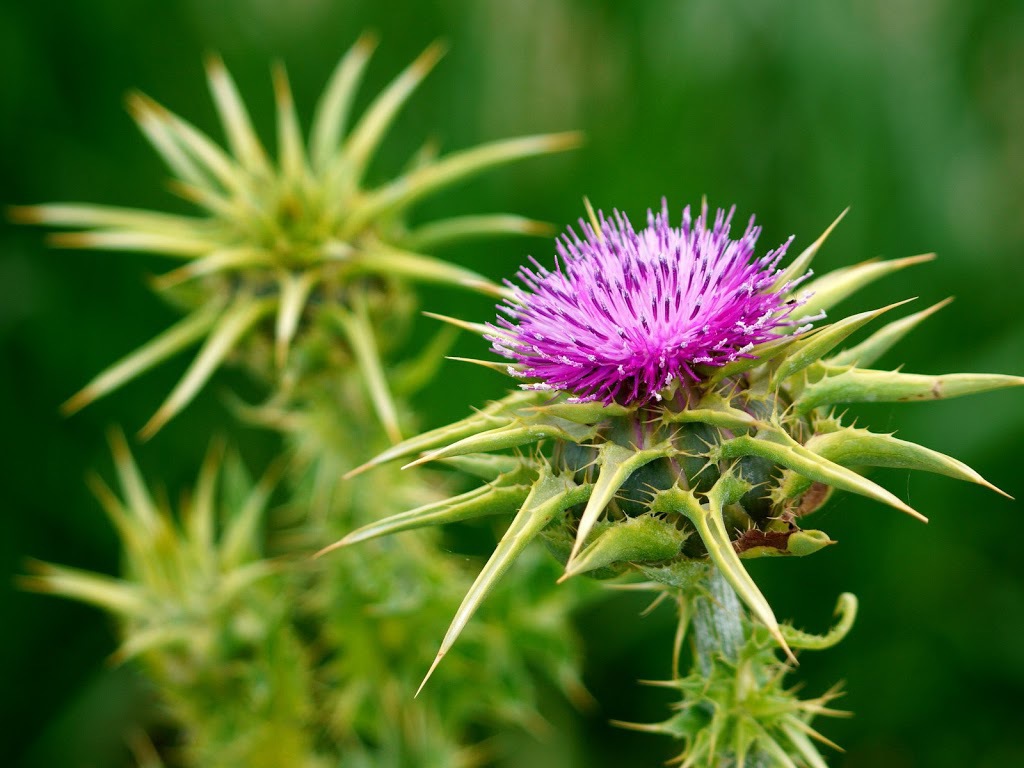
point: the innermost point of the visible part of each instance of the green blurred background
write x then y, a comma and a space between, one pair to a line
909, 111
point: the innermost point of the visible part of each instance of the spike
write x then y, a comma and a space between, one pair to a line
549, 497
802, 262
832, 288
869, 350
856, 385
617, 463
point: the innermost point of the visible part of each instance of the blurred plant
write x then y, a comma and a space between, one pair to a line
681, 422
299, 272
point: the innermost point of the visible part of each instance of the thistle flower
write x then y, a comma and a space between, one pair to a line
742, 444
303, 240
625, 314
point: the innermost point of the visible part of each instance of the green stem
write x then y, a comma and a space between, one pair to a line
717, 622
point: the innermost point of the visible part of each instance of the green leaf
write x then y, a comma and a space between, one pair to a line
830, 289
290, 151
512, 436
858, 447
235, 118
846, 610
550, 496
110, 594
616, 464
231, 326
783, 450
391, 262
485, 501
644, 539
359, 332
802, 263
882, 340
499, 413
444, 232
711, 527
331, 112
369, 131
812, 347
179, 336
858, 385
404, 191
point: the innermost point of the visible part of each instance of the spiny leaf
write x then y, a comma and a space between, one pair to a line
294, 293
802, 263
882, 340
498, 413
405, 190
857, 385
391, 262
331, 111
183, 246
812, 347
105, 592
711, 527
550, 496
234, 323
97, 216
616, 464
715, 411
221, 260
179, 336
846, 611
234, 117
511, 436
290, 151
485, 501
858, 447
644, 539
830, 289
368, 133
447, 231
790, 454
478, 329
488, 466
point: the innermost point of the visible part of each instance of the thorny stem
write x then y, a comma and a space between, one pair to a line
717, 626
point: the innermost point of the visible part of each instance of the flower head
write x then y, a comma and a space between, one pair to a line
626, 313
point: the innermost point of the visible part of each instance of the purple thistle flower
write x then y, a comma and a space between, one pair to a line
626, 313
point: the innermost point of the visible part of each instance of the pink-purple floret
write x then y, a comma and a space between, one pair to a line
626, 313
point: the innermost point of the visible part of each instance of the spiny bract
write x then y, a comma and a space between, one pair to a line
722, 466
304, 241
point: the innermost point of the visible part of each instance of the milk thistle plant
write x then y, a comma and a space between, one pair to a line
678, 413
300, 272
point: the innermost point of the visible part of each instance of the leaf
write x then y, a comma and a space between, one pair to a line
830, 289
802, 263
852, 447
511, 436
790, 454
882, 340
846, 610
234, 117
407, 189
332, 110
294, 293
369, 131
500, 412
645, 539
711, 527
859, 385
234, 323
444, 232
550, 496
812, 347
391, 262
176, 338
616, 464
485, 501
